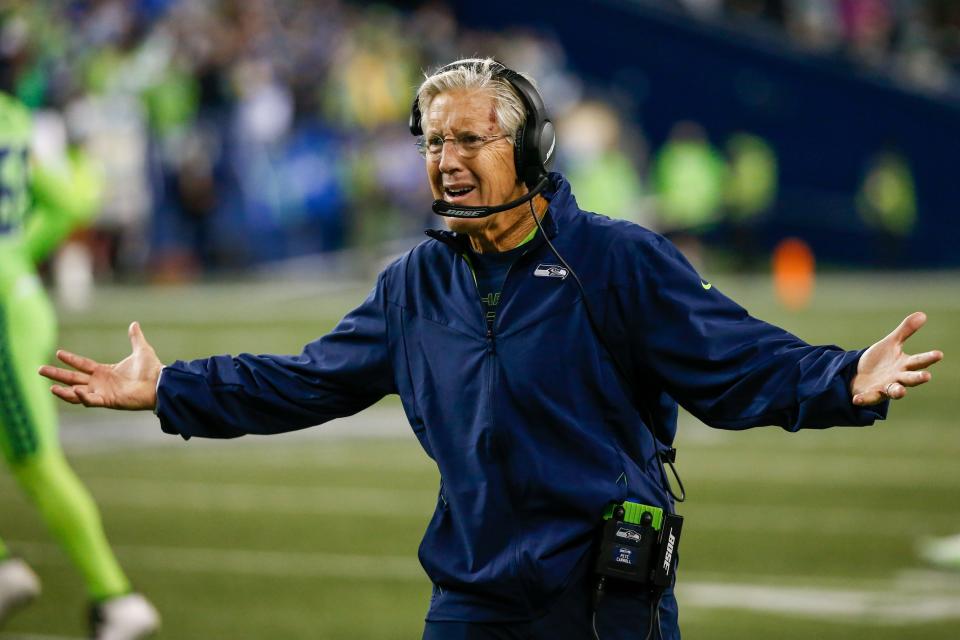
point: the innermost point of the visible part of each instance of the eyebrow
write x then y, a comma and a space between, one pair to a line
436, 132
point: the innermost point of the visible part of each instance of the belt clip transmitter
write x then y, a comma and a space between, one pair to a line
638, 545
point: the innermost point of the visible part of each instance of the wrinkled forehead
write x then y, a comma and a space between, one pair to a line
453, 112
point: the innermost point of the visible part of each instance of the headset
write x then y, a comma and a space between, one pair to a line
534, 143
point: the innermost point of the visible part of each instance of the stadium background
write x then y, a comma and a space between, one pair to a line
256, 173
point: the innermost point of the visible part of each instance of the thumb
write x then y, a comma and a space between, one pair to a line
910, 325
137, 339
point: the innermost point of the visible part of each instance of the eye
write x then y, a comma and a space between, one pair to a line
434, 143
470, 140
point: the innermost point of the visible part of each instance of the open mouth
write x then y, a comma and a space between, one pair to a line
456, 194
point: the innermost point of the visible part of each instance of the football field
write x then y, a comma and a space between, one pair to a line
315, 534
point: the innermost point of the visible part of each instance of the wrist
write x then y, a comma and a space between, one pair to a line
157, 377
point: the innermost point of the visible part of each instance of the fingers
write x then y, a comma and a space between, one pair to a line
893, 390
78, 395
65, 376
67, 394
867, 398
909, 326
876, 395
77, 362
913, 378
88, 398
923, 360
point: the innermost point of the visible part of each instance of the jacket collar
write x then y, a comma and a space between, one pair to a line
561, 203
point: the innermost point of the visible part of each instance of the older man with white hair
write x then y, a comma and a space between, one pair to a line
540, 352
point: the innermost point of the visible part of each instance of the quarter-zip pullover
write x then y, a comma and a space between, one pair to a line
531, 427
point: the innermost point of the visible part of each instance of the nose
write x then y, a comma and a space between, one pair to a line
450, 160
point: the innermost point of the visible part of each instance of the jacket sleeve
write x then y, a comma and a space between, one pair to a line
727, 368
337, 375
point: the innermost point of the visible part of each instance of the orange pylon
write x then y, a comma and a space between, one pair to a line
794, 273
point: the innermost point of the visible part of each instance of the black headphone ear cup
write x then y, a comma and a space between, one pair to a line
414, 121
547, 143
520, 152
535, 147
532, 168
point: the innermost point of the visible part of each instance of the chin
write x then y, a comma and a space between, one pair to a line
465, 225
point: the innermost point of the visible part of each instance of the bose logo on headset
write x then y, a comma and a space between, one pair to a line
533, 145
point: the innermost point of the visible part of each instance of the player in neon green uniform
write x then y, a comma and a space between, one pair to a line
63, 198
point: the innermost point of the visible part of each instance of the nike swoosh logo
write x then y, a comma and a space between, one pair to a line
706, 285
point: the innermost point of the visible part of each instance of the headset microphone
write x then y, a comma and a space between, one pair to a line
450, 210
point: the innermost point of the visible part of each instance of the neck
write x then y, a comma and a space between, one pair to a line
507, 229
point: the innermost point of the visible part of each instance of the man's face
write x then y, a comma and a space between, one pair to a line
487, 179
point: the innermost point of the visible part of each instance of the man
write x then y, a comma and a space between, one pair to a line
539, 403
28, 420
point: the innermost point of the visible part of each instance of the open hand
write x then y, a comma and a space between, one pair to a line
129, 384
885, 371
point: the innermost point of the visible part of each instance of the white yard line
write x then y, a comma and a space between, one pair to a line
35, 636
246, 561
98, 431
880, 608
229, 497
262, 498
890, 602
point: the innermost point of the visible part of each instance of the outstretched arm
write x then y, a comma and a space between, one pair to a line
733, 371
885, 371
130, 384
229, 396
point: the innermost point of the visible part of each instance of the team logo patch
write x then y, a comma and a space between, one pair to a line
550, 271
629, 534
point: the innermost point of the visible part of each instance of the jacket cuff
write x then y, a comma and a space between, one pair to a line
162, 409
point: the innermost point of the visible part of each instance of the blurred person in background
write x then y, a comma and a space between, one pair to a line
689, 177
65, 195
108, 114
750, 191
596, 160
537, 414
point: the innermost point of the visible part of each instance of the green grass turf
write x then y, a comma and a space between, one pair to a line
293, 537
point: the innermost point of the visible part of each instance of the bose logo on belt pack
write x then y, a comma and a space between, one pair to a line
550, 271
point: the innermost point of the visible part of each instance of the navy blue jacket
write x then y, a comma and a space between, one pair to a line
531, 427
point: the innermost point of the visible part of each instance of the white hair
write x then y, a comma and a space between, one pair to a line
476, 74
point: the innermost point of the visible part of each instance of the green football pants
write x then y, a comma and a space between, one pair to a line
28, 431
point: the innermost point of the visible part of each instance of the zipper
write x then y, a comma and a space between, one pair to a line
503, 290
483, 312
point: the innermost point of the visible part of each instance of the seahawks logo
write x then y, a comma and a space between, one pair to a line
550, 271
629, 534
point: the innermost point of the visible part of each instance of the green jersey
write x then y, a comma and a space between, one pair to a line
14, 167
41, 203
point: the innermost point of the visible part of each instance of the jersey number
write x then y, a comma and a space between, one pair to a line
13, 187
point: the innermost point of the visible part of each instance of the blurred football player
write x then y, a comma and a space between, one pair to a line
39, 206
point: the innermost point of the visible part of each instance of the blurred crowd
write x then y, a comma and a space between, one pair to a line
233, 133
917, 41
